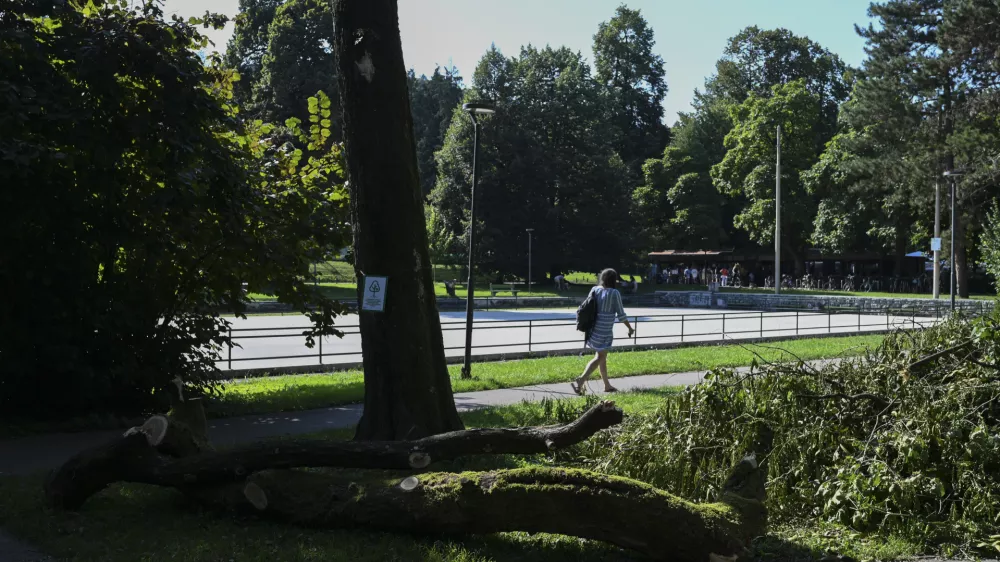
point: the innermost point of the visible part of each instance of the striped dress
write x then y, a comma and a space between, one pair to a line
609, 309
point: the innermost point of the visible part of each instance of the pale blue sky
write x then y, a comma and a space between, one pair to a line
690, 34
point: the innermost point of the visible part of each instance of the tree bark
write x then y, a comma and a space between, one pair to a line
578, 503
616, 510
147, 455
153, 444
407, 388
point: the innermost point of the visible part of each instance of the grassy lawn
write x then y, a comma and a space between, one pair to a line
302, 392
344, 291
130, 522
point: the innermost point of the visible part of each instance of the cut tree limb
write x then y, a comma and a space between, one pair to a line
94, 469
152, 444
572, 502
578, 503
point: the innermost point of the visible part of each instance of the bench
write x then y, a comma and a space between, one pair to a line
503, 288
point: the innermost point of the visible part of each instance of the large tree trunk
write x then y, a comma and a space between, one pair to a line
167, 451
407, 389
616, 510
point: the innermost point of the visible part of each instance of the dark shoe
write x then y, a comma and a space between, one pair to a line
610, 389
577, 387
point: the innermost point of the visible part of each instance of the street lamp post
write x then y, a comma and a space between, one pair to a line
953, 175
529, 231
777, 218
474, 109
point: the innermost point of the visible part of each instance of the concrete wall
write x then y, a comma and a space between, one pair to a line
764, 301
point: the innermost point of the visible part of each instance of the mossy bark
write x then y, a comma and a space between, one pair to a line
168, 452
572, 502
616, 510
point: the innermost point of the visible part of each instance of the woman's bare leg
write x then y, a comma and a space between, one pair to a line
594, 363
603, 365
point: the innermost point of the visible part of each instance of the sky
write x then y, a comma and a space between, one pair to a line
690, 34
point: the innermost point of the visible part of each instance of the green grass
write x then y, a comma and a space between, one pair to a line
303, 392
346, 291
130, 522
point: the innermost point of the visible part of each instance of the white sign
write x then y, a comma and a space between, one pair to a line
374, 296
935, 244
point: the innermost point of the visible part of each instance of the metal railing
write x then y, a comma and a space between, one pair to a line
649, 330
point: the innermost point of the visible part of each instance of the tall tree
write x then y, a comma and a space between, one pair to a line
871, 186
298, 62
688, 214
748, 168
754, 62
923, 52
634, 75
407, 388
433, 101
248, 45
546, 162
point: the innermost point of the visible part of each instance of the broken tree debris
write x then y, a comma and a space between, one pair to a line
171, 451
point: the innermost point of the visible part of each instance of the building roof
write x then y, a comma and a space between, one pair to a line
766, 254
689, 253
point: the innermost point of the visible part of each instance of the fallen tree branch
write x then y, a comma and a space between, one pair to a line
928, 358
878, 400
137, 457
578, 503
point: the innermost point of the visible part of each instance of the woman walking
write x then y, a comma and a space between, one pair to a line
609, 309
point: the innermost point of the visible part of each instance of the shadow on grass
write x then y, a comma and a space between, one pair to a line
115, 527
288, 398
770, 548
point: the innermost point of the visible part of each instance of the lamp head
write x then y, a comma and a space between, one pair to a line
484, 107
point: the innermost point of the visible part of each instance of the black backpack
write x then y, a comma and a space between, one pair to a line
586, 314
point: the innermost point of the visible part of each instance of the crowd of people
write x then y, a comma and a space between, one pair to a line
683, 274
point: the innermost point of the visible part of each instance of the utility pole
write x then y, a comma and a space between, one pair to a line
953, 176
777, 220
953, 269
937, 234
529, 231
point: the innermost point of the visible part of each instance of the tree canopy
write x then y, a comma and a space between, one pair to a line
547, 162
143, 204
634, 76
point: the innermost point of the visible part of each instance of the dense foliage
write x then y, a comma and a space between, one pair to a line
563, 153
875, 443
680, 204
141, 204
283, 55
547, 162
